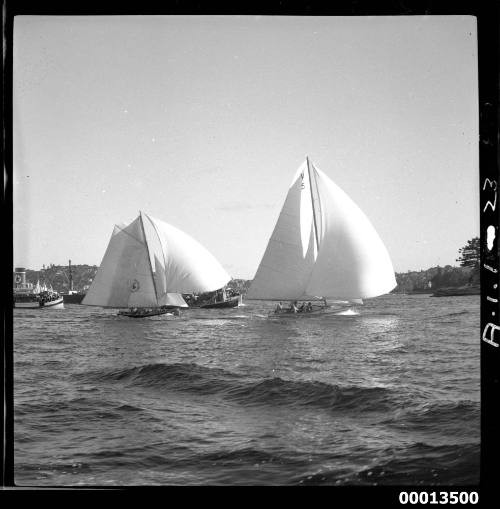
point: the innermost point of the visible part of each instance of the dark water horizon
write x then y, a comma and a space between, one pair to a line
390, 396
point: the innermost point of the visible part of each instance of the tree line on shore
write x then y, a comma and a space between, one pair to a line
58, 276
423, 281
435, 278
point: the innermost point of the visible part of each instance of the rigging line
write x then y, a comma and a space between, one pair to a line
318, 200
162, 250
312, 204
149, 257
122, 230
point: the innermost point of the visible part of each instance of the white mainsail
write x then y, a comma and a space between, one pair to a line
124, 276
149, 263
286, 266
323, 246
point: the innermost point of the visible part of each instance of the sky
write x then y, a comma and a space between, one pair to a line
202, 122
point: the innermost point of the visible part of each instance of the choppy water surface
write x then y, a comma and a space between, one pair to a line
388, 396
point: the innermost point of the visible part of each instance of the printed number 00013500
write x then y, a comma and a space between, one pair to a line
440, 497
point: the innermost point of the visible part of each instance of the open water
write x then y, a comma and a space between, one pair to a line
388, 396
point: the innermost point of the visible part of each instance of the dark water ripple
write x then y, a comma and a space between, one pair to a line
389, 396
418, 464
275, 391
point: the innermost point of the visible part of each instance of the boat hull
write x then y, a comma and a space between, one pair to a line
73, 298
145, 314
229, 303
317, 310
55, 304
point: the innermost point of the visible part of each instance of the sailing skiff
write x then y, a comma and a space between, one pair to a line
147, 265
323, 248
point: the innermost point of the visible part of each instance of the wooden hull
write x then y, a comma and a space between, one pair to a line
54, 304
144, 314
229, 303
317, 310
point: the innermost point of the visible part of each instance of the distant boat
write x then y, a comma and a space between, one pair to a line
30, 296
72, 296
219, 299
323, 248
228, 302
148, 264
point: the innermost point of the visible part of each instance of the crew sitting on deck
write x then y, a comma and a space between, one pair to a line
293, 307
309, 307
279, 308
302, 307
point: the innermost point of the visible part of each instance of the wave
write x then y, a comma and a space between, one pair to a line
444, 411
456, 313
416, 464
309, 393
76, 407
178, 376
202, 380
221, 317
249, 455
422, 463
377, 313
439, 415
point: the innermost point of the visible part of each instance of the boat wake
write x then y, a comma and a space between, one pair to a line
347, 312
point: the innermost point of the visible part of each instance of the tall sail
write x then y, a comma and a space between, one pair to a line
149, 263
352, 262
124, 277
157, 260
322, 246
189, 267
289, 258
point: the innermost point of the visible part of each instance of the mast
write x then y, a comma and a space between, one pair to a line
149, 256
312, 203
70, 277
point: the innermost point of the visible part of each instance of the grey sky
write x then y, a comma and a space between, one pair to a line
203, 121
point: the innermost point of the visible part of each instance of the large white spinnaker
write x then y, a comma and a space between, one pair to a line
353, 262
149, 263
189, 266
157, 259
323, 246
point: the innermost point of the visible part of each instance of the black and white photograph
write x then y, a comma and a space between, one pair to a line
247, 251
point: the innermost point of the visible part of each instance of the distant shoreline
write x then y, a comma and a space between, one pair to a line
457, 291
437, 281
